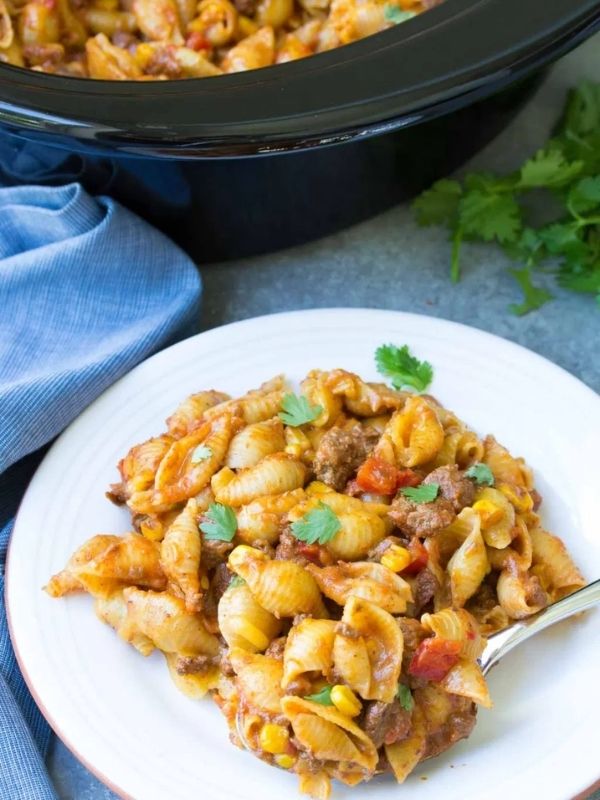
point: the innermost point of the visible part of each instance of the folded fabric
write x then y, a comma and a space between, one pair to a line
88, 290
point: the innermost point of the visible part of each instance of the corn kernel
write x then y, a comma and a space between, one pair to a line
295, 450
143, 53
284, 761
107, 5
246, 26
316, 488
273, 738
396, 558
489, 512
520, 498
346, 702
204, 582
153, 531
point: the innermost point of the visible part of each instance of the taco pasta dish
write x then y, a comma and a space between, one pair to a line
326, 566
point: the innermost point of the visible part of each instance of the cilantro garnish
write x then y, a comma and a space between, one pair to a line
201, 453
405, 697
318, 525
425, 493
488, 207
219, 523
481, 474
297, 410
403, 369
397, 15
236, 581
323, 697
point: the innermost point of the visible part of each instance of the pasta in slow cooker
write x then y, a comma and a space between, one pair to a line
167, 39
326, 566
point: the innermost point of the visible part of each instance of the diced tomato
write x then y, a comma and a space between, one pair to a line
406, 477
310, 551
434, 658
196, 41
419, 557
377, 476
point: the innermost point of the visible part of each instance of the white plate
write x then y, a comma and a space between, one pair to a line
121, 714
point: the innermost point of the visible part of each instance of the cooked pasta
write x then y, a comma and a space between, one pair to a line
325, 566
167, 39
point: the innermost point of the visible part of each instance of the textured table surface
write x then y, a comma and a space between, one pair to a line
388, 262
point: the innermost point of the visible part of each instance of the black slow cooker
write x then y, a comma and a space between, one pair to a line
255, 161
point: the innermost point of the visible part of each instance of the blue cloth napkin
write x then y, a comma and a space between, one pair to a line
87, 291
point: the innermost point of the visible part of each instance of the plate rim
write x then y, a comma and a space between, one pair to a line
542, 361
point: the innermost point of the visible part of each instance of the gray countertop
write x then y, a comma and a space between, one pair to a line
388, 262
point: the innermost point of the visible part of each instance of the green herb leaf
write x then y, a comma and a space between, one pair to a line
533, 296
581, 278
425, 493
549, 169
403, 369
219, 523
405, 697
439, 204
582, 114
318, 525
490, 216
201, 453
323, 697
563, 239
235, 582
396, 15
481, 474
585, 195
297, 410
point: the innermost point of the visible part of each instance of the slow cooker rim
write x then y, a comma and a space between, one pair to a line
324, 98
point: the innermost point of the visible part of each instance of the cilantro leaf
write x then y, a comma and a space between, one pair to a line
490, 216
585, 195
481, 474
235, 582
581, 278
564, 239
200, 453
397, 15
549, 169
438, 204
403, 369
425, 493
533, 296
582, 115
528, 248
219, 523
323, 697
405, 697
297, 410
320, 525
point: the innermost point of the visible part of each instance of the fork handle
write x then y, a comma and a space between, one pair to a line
499, 644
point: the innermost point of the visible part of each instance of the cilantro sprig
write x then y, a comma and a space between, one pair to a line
200, 453
323, 697
481, 474
493, 208
219, 523
296, 410
402, 368
396, 15
320, 525
425, 493
404, 696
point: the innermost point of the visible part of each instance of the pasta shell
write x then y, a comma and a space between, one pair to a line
264, 518
254, 442
282, 587
365, 579
66, 581
258, 680
415, 433
180, 557
189, 414
243, 622
308, 648
404, 756
466, 680
112, 610
369, 660
318, 393
506, 468
326, 734
469, 565
549, 552
456, 625
163, 619
138, 468
363, 399
275, 474
497, 530
520, 593
193, 685
359, 532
